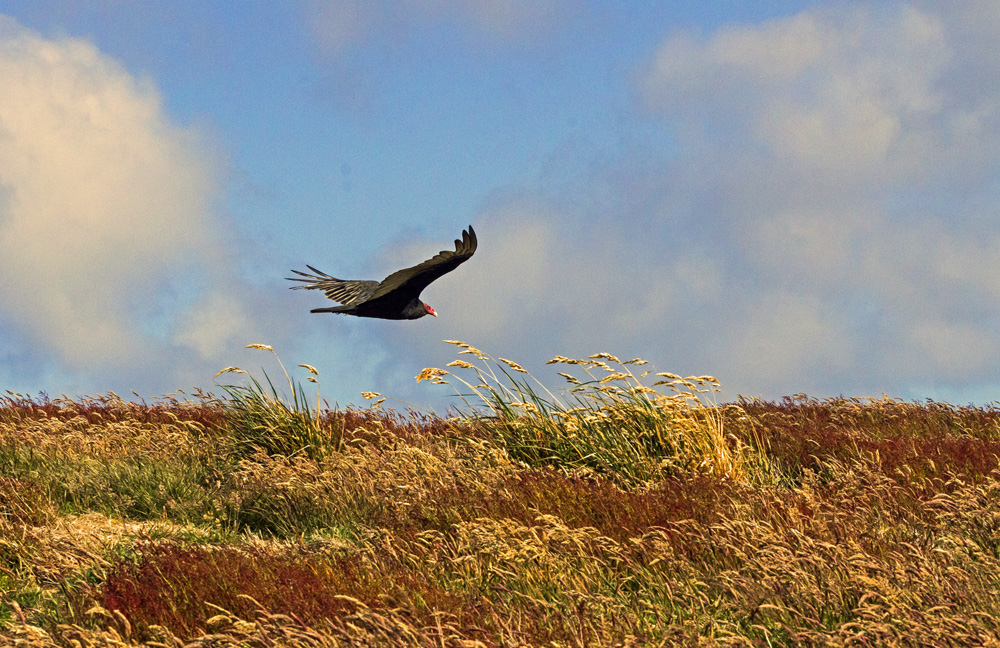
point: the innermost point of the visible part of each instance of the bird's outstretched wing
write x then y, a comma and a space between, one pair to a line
346, 292
408, 283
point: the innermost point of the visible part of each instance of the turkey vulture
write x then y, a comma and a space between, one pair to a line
396, 296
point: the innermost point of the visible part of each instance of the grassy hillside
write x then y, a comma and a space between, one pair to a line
628, 509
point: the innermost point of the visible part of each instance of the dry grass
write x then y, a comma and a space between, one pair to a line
607, 515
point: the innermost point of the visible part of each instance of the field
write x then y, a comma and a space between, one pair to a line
621, 509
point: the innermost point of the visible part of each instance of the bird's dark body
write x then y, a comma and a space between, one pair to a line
396, 297
413, 310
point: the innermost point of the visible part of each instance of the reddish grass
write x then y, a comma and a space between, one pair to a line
580, 502
908, 440
170, 586
412, 428
109, 409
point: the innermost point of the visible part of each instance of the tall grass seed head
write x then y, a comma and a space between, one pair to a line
430, 373
228, 370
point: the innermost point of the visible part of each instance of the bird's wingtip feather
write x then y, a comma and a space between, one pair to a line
319, 272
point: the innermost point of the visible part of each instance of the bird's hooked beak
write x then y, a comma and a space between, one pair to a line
430, 311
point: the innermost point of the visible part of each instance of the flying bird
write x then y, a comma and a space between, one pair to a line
395, 297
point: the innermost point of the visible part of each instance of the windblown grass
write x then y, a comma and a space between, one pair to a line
260, 420
842, 522
609, 420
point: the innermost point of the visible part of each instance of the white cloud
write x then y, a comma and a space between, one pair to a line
106, 214
853, 92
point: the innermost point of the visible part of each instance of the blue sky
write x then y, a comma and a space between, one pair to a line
791, 196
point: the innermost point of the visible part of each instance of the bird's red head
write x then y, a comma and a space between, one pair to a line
430, 311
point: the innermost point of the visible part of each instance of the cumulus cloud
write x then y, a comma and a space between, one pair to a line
108, 240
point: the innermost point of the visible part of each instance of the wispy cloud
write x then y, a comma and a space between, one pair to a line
338, 25
827, 224
851, 165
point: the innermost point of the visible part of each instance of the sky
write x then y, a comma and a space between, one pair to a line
794, 197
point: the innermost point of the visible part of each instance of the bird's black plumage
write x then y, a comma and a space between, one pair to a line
395, 297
